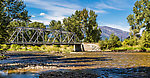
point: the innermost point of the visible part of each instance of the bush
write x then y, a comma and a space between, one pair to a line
148, 49
125, 42
43, 48
129, 48
4, 47
102, 45
120, 49
141, 49
113, 42
54, 48
56, 45
35, 48
23, 48
14, 47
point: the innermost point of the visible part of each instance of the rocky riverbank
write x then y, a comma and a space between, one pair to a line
73, 74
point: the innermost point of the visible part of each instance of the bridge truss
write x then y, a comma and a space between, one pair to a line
40, 36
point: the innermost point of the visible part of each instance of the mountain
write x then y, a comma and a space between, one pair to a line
107, 31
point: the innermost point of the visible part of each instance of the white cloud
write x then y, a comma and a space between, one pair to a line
32, 16
55, 17
57, 10
100, 11
105, 6
46, 22
97, 11
42, 14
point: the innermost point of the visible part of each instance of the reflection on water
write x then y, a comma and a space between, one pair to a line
105, 64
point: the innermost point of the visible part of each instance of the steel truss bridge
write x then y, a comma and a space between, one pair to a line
41, 36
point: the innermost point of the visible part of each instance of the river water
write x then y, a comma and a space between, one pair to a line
105, 64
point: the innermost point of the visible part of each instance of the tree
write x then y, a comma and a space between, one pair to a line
83, 23
141, 17
114, 41
37, 25
74, 24
145, 39
102, 44
10, 10
55, 25
13, 24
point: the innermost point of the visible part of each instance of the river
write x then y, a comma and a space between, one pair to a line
105, 64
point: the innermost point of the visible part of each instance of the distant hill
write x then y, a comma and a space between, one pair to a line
107, 31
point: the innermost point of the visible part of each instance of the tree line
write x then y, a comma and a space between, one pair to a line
83, 22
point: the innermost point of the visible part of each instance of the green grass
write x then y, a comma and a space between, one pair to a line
54, 48
130, 48
148, 49
120, 49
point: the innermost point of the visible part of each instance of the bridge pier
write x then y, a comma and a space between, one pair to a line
78, 47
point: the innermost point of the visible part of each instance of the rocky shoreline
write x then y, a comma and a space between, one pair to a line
73, 74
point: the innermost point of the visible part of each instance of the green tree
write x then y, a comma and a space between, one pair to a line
113, 42
141, 17
74, 24
37, 25
55, 25
83, 23
15, 23
10, 10
102, 44
145, 39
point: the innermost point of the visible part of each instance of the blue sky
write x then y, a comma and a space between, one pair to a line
111, 13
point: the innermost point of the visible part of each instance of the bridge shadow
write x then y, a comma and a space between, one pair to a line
25, 60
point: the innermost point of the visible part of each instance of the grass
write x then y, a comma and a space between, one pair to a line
53, 48
131, 48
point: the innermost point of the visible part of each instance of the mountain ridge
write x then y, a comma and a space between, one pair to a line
107, 31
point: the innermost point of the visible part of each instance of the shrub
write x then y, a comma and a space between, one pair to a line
120, 49
4, 47
56, 45
102, 45
14, 47
148, 49
52, 49
43, 47
129, 48
35, 48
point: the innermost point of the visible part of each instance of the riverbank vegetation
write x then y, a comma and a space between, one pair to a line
82, 22
139, 39
45, 48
